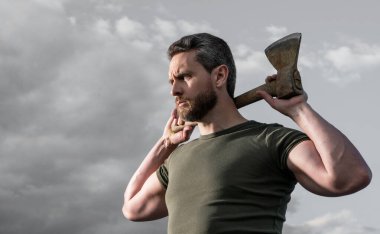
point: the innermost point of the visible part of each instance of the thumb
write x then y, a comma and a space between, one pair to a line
267, 97
187, 131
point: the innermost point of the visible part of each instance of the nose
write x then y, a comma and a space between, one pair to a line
176, 89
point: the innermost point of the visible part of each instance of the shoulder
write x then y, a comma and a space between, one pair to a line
265, 129
182, 148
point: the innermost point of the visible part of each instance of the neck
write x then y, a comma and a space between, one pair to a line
224, 115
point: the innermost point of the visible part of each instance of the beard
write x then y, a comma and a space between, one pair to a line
199, 106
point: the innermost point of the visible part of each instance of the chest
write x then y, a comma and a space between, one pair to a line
219, 167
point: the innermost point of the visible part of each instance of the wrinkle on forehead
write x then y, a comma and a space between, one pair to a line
181, 62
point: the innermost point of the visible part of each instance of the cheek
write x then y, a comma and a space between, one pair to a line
205, 83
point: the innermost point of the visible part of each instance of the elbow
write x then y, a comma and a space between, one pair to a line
130, 214
362, 178
366, 177
126, 212
353, 183
137, 212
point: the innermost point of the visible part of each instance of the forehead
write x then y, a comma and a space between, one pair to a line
183, 61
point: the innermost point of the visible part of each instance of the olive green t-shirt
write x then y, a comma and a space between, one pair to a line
232, 181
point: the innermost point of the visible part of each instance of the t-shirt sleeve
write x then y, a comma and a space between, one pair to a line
163, 175
282, 140
163, 171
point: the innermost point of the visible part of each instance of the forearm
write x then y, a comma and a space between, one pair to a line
154, 159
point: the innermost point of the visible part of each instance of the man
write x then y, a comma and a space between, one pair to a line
237, 177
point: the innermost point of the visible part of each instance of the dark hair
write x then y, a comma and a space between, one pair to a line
211, 51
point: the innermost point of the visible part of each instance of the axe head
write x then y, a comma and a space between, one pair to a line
283, 55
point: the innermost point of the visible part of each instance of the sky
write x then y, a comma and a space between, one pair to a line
84, 95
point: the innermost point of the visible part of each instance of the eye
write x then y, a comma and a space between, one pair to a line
187, 77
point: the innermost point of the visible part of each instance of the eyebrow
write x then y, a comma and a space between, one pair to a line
180, 75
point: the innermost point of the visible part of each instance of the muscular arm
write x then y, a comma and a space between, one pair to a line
329, 164
144, 197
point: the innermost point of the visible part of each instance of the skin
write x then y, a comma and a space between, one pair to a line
328, 164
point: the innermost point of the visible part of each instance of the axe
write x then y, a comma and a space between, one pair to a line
283, 55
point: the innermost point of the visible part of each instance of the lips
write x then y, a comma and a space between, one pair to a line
181, 102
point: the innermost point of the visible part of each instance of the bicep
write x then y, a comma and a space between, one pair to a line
307, 166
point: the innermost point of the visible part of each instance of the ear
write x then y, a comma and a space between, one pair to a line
221, 74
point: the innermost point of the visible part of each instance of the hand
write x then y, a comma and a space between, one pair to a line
289, 107
176, 130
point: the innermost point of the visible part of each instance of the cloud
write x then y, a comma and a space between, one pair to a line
83, 91
342, 64
172, 30
166, 28
186, 27
109, 7
81, 94
249, 61
343, 222
252, 67
354, 57
276, 32
129, 28
102, 26
52, 4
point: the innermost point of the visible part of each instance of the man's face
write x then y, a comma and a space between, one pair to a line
191, 86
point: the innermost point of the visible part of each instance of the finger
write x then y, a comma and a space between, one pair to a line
180, 121
193, 124
187, 131
177, 128
172, 122
305, 96
268, 98
271, 78
174, 125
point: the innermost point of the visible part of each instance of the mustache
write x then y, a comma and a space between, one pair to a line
181, 99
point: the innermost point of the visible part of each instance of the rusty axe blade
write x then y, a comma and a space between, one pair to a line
283, 55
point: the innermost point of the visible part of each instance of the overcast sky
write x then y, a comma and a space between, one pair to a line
84, 95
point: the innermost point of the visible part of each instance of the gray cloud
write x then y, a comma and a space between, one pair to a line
79, 100
71, 123
337, 223
83, 92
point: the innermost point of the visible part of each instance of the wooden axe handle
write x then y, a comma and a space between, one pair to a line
289, 86
251, 96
